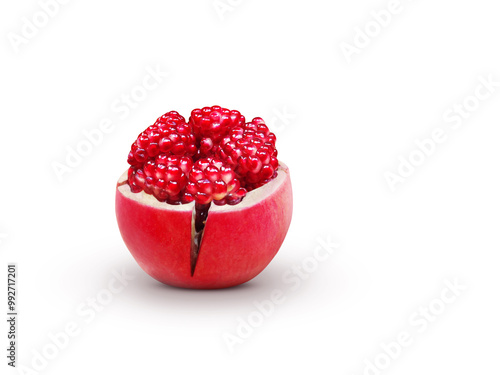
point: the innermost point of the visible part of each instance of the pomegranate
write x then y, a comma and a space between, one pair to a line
177, 170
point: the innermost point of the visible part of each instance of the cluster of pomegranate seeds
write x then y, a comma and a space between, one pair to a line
210, 180
214, 157
164, 176
250, 149
211, 124
170, 135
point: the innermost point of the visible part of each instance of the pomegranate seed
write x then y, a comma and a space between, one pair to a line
202, 198
148, 185
165, 144
143, 141
140, 155
173, 172
149, 168
179, 149
220, 189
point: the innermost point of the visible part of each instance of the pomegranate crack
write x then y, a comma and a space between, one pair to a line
198, 222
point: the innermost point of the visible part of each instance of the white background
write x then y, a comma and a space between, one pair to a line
347, 123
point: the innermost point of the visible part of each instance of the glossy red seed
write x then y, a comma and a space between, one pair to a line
173, 187
274, 162
233, 185
179, 149
153, 149
206, 145
185, 164
220, 202
212, 173
205, 187
219, 189
143, 141
266, 172
187, 198
160, 170
173, 172
149, 168
165, 144
149, 185
161, 183
130, 172
141, 155
154, 136
131, 158
140, 177
191, 188
196, 174
226, 174
202, 198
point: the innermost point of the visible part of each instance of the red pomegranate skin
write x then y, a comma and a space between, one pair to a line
238, 243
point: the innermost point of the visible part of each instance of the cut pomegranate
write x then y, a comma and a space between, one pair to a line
215, 157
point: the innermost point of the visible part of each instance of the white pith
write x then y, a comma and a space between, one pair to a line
253, 197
